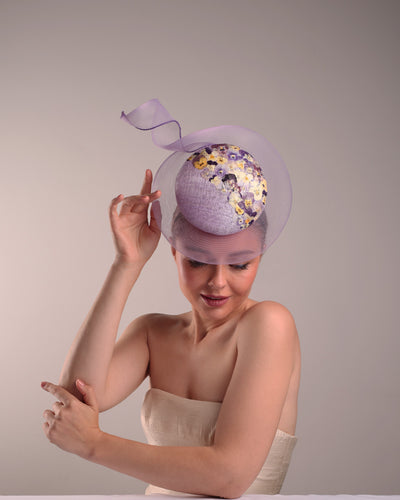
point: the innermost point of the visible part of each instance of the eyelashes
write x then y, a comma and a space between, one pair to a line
238, 267
196, 263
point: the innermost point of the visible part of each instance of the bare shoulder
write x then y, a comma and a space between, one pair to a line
271, 314
150, 319
146, 330
156, 322
268, 321
142, 325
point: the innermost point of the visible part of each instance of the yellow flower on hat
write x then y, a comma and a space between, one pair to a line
239, 210
200, 162
257, 192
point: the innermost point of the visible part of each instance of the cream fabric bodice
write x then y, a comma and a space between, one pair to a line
170, 420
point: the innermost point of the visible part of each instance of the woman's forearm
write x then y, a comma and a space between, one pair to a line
90, 354
198, 470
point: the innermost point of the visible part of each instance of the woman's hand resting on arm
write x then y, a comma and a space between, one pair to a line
72, 425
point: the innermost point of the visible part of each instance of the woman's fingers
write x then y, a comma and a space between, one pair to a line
148, 179
58, 392
134, 232
57, 406
138, 203
135, 204
122, 206
49, 416
153, 223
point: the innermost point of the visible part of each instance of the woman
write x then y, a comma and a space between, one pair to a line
220, 415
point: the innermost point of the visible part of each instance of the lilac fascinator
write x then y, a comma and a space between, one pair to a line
225, 192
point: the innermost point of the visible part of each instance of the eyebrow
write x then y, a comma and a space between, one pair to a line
240, 253
195, 249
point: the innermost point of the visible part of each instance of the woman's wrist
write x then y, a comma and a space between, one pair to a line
127, 264
93, 447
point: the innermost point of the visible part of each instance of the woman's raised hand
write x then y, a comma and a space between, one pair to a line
135, 237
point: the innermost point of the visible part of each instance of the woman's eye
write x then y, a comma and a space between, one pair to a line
196, 263
240, 267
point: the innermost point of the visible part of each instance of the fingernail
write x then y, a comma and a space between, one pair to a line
80, 382
43, 385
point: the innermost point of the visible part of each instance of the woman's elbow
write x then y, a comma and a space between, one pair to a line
231, 481
233, 488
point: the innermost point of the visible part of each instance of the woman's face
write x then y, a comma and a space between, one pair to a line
215, 290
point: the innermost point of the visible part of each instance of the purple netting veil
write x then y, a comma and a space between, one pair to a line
225, 192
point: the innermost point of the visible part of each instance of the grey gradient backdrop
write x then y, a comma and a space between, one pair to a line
320, 79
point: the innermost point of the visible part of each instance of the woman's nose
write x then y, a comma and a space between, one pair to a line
217, 276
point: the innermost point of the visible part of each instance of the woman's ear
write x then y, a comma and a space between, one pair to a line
173, 250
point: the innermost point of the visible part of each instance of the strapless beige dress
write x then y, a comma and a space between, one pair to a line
170, 420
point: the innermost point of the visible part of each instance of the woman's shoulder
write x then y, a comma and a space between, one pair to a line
268, 309
269, 319
153, 321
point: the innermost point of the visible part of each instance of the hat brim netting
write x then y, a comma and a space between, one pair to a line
185, 237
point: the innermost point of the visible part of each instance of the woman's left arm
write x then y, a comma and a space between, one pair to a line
267, 368
246, 426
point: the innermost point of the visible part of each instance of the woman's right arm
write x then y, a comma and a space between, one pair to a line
94, 356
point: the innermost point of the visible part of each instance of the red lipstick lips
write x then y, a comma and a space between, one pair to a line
214, 300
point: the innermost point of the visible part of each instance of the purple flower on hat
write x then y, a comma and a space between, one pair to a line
248, 200
242, 205
221, 171
221, 147
233, 156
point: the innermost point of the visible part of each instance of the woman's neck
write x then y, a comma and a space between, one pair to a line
202, 325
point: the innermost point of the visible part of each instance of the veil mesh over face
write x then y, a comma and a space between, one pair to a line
200, 224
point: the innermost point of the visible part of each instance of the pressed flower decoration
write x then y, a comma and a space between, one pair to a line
236, 173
